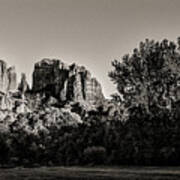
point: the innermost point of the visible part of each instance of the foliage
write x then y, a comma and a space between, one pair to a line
150, 76
95, 155
147, 132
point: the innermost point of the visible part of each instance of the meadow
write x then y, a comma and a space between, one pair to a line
91, 173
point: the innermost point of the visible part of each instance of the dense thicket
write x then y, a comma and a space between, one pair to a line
141, 140
146, 133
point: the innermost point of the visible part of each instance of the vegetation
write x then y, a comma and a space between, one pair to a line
91, 173
147, 132
150, 77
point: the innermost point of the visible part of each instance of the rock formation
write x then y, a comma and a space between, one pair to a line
23, 85
12, 79
69, 90
67, 83
7, 77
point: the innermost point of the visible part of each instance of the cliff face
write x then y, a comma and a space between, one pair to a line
67, 83
7, 77
12, 78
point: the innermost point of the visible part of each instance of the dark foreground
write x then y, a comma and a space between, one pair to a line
82, 173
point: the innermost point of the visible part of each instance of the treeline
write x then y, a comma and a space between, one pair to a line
141, 140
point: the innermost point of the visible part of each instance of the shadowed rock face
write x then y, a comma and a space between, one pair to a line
67, 83
23, 85
7, 77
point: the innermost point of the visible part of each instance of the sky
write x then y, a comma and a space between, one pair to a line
88, 32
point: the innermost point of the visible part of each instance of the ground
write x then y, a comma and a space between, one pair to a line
91, 173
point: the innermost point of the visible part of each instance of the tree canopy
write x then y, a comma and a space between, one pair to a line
150, 77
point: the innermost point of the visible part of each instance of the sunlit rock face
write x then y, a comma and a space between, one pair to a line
12, 78
67, 83
8, 79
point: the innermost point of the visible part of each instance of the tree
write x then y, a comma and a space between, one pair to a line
95, 155
150, 77
4, 149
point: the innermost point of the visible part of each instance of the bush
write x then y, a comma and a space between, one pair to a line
94, 155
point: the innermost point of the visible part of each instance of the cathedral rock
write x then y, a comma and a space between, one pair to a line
67, 83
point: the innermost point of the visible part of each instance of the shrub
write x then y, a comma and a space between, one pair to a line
94, 155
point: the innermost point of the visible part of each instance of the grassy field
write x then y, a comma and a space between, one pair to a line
88, 173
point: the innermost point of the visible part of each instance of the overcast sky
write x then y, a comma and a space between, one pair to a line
88, 32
